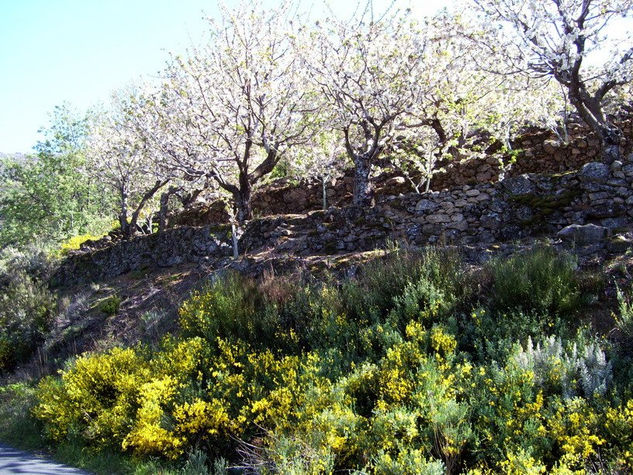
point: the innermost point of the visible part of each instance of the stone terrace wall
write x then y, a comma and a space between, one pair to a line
516, 207
541, 153
172, 247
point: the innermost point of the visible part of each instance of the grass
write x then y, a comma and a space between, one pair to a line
18, 427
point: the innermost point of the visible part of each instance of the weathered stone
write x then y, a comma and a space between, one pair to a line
598, 196
583, 233
609, 209
459, 225
628, 169
616, 165
520, 185
172, 247
425, 206
438, 218
614, 223
619, 244
594, 172
472, 193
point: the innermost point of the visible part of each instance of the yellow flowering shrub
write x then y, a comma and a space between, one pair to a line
619, 427
74, 243
574, 426
521, 463
373, 375
96, 397
148, 435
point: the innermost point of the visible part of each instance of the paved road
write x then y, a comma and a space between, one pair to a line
17, 461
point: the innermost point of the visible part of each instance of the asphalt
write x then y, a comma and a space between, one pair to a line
17, 461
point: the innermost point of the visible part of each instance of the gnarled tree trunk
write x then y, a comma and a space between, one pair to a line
610, 143
363, 192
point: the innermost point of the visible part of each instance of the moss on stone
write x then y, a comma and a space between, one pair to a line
544, 205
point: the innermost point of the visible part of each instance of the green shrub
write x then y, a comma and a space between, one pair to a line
540, 280
110, 305
235, 308
27, 309
491, 334
371, 374
372, 293
18, 426
624, 318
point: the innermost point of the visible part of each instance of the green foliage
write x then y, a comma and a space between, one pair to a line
110, 305
237, 308
74, 243
397, 370
541, 280
624, 318
18, 426
27, 307
47, 197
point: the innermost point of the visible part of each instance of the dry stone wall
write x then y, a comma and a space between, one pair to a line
585, 205
172, 247
474, 201
516, 207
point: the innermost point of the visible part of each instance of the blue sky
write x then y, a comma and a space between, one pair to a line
78, 51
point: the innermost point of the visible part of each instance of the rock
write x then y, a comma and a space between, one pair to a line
519, 185
619, 244
550, 146
615, 223
459, 225
472, 193
601, 195
616, 166
425, 206
394, 182
609, 209
583, 233
628, 169
438, 218
594, 172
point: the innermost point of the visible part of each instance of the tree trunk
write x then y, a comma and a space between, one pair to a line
235, 239
146, 197
610, 143
324, 191
243, 208
363, 192
125, 227
164, 208
590, 111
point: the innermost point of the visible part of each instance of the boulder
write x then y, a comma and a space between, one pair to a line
583, 233
518, 185
594, 172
